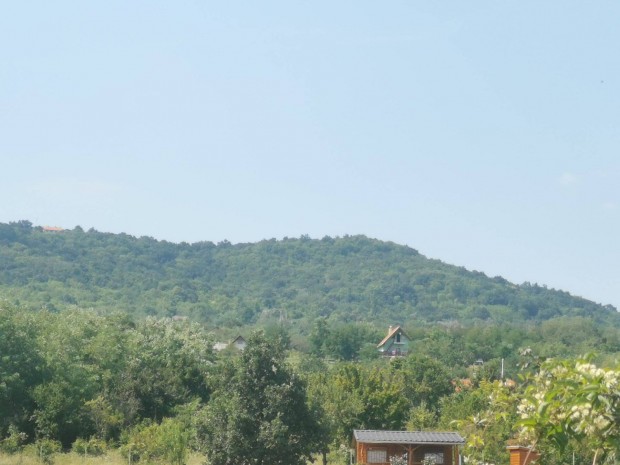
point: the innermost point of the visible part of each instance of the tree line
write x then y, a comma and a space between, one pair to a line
351, 278
155, 390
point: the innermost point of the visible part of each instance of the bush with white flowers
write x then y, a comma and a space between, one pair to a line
573, 403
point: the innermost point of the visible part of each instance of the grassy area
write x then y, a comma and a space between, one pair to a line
111, 458
114, 458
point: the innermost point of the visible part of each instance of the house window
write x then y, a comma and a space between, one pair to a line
434, 457
377, 456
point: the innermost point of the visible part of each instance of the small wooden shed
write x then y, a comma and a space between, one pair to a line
378, 446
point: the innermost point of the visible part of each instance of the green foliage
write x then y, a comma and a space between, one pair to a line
486, 421
318, 336
105, 418
462, 404
79, 374
167, 442
46, 449
344, 341
573, 405
426, 380
166, 366
58, 405
20, 367
89, 447
421, 418
14, 442
155, 384
259, 415
346, 279
353, 396
76, 374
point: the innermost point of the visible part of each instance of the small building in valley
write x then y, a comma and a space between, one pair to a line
239, 343
416, 447
396, 343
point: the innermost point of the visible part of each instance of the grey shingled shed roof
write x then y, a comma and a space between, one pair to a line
407, 437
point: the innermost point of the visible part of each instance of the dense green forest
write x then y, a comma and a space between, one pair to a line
351, 278
93, 356
154, 391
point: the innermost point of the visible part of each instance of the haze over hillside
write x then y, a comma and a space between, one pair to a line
351, 278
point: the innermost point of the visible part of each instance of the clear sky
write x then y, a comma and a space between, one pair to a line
485, 134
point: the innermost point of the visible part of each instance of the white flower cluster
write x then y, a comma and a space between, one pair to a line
582, 399
588, 369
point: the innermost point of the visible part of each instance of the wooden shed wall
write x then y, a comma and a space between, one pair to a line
362, 449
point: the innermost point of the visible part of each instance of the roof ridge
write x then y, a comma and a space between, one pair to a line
390, 334
411, 437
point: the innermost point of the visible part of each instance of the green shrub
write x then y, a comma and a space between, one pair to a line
46, 448
93, 447
14, 442
168, 441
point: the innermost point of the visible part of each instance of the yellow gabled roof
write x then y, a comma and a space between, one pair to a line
390, 334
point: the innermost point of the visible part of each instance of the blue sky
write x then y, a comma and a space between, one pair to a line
484, 134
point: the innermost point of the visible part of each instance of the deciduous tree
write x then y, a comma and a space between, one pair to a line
260, 415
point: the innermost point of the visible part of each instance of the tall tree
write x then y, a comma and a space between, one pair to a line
426, 380
259, 416
19, 367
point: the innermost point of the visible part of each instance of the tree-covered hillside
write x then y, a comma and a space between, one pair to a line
351, 278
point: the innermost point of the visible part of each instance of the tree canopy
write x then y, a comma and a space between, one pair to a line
259, 416
344, 279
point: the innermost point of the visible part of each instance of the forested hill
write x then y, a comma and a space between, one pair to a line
351, 278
